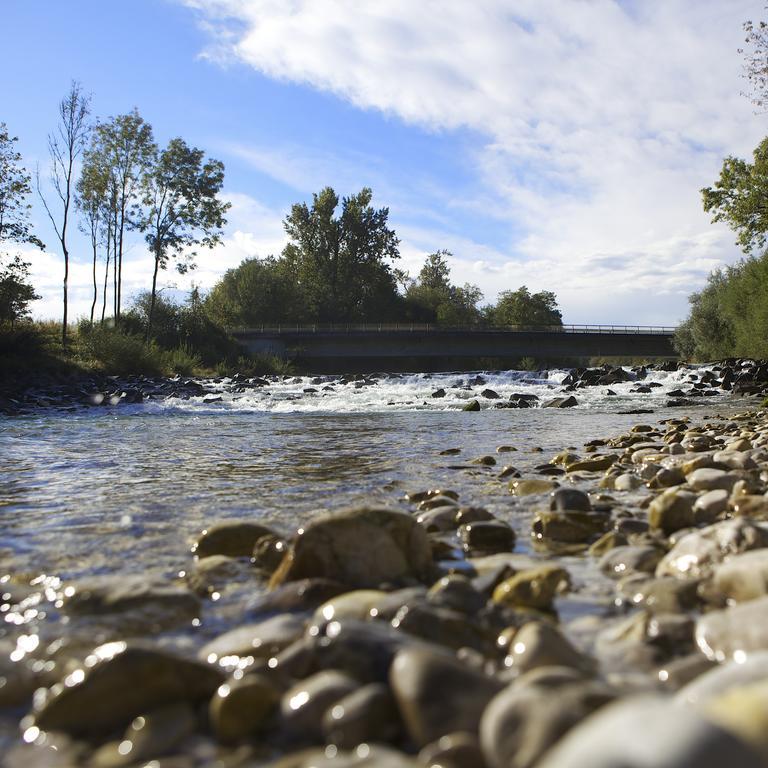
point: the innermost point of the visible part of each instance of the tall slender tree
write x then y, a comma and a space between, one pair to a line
125, 146
65, 145
181, 208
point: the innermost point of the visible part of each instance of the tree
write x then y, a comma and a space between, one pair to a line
521, 307
181, 208
740, 198
258, 291
15, 291
342, 262
14, 190
124, 146
432, 297
65, 145
756, 61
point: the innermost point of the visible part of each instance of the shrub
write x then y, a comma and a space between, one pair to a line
118, 352
182, 360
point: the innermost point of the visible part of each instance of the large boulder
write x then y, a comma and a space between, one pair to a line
362, 547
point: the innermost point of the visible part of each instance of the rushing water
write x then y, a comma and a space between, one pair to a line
124, 490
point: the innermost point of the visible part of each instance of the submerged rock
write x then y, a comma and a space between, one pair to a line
233, 538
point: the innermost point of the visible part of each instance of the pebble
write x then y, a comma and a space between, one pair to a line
240, 707
233, 538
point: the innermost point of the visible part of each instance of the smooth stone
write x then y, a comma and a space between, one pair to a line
734, 459
568, 527
539, 644
259, 641
709, 505
438, 520
750, 505
268, 553
472, 405
695, 554
296, 597
534, 588
671, 511
742, 577
648, 732
735, 632
707, 479
443, 626
607, 542
454, 750
665, 594
724, 678
484, 461
524, 720
531, 486
595, 464
118, 683
156, 603
627, 482
363, 756
570, 499
233, 538
744, 712
472, 515
216, 572
356, 604
487, 537
437, 501
561, 402
437, 694
623, 560
457, 593
304, 705
505, 448
368, 714
362, 547
241, 707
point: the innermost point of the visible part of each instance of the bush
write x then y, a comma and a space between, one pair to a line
182, 360
256, 365
118, 352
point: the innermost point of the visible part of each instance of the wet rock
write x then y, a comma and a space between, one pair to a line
119, 682
596, 464
621, 561
364, 756
484, 461
450, 452
487, 537
671, 511
268, 553
750, 505
455, 750
734, 633
443, 626
241, 707
539, 644
439, 519
437, 694
627, 482
696, 553
472, 405
258, 641
568, 527
303, 706
723, 678
368, 714
438, 393
134, 602
742, 577
709, 505
215, 573
233, 538
356, 604
362, 547
531, 486
707, 479
523, 721
490, 394
612, 738
534, 588
295, 597
466, 515
561, 402
662, 595
457, 593
570, 499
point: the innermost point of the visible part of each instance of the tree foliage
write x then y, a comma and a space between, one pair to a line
342, 262
521, 307
181, 208
756, 61
16, 292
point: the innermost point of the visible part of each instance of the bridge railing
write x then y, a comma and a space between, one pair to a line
289, 328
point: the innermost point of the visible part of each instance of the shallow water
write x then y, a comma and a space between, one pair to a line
126, 489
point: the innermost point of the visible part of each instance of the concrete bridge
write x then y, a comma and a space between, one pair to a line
407, 346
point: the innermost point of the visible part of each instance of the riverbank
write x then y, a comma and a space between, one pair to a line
539, 593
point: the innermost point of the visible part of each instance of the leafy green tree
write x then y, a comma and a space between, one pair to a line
125, 149
740, 198
16, 292
14, 190
521, 307
258, 291
433, 298
343, 262
65, 145
181, 208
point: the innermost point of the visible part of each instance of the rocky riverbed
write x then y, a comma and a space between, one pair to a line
620, 620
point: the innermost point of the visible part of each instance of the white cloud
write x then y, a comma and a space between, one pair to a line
601, 119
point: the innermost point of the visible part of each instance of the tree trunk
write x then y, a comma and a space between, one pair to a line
152, 297
106, 274
95, 290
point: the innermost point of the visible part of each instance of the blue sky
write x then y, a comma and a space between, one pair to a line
558, 144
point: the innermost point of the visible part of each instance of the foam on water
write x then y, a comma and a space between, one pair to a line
413, 392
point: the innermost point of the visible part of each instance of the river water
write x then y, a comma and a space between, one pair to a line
125, 490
